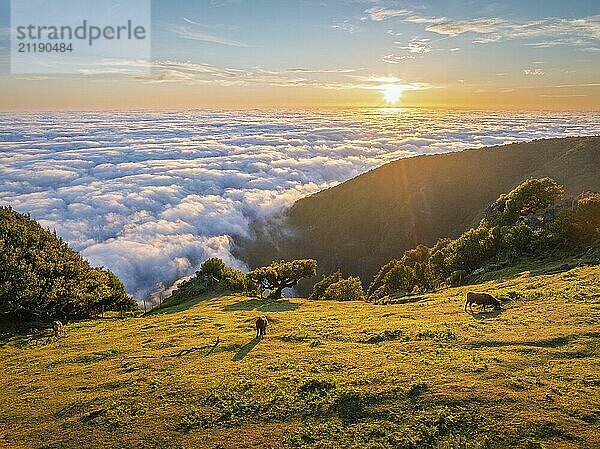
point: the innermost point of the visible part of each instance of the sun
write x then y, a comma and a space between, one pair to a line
391, 92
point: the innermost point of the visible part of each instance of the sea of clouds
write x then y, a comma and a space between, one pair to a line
151, 195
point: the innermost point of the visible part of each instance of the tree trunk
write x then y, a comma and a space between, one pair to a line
276, 294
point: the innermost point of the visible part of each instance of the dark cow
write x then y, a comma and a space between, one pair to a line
58, 328
482, 299
261, 326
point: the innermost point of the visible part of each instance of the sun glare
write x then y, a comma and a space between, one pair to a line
391, 93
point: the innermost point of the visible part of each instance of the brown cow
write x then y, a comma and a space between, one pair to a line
261, 326
482, 299
58, 328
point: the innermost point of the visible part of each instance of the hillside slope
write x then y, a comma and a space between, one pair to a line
424, 374
361, 224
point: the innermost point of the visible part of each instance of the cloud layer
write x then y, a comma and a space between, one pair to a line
150, 195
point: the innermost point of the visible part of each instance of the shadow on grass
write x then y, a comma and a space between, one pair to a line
555, 342
407, 299
482, 315
27, 340
507, 270
263, 305
245, 350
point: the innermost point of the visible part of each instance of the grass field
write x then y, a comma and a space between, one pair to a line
421, 374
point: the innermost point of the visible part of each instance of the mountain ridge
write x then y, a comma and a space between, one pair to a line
358, 225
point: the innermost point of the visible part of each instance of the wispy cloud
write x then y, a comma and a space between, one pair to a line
378, 13
220, 26
307, 70
456, 27
34, 78
192, 73
417, 45
195, 31
582, 32
533, 72
487, 39
396, 59
346, 26
560, 86
562, 96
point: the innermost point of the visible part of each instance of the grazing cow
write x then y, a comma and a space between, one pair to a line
482, 299
58, 328
261, 326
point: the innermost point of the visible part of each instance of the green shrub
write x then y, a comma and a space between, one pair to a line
345, 290
527, 198
387, 335
41, 276
349, 405
586, 218
319, 289
213, 275
377, 288
519, 239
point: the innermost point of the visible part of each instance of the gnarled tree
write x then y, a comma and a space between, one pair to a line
282, 274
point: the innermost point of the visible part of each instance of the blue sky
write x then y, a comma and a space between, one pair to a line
440, 53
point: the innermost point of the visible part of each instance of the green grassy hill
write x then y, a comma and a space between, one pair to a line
361, 224
423, 374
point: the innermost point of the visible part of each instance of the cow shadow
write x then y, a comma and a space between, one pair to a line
245, 350
482, 315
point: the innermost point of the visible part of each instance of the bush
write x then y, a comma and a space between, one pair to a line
456, 278
400, 277
41, 276
349, 405
213, 275
319, 289
472, 249
586, 218
377, 288
345, 290
527, 198
518, 239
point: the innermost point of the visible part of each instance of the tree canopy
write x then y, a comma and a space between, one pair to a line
213, 275
283, 274
336, 287
528, 197
41, 276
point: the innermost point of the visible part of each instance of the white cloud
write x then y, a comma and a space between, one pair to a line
195, 31
581, 32
533, 72
456, 27
577, 85
346, 26
193, 73
562, 96
417, 45
378, 13
395, 59
487, 39
150, 195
